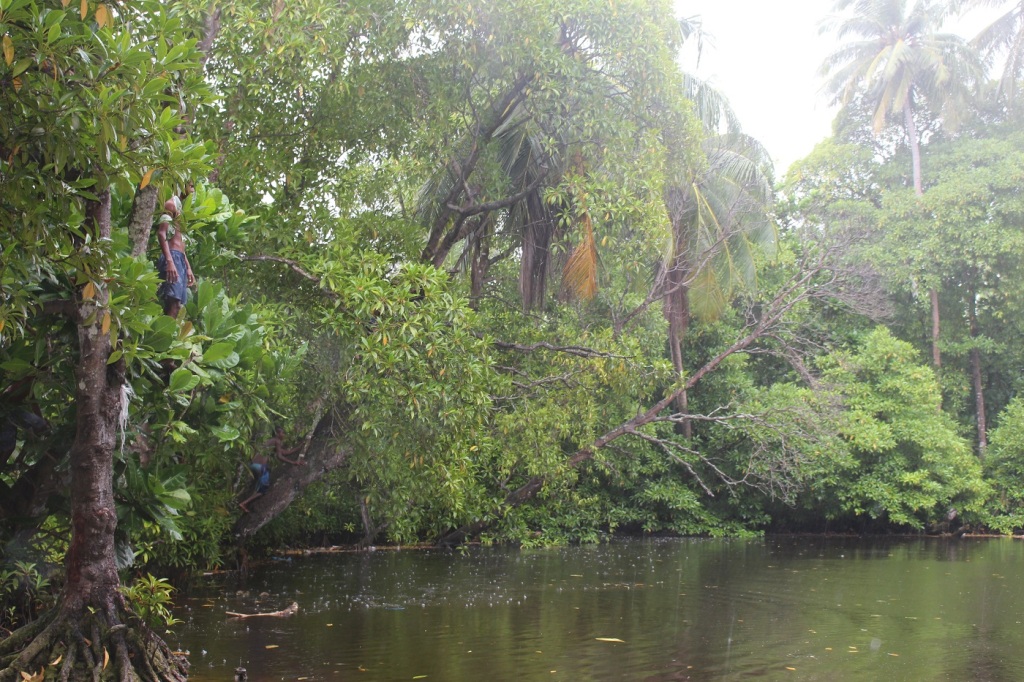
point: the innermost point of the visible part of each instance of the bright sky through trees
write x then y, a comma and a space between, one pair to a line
765, 56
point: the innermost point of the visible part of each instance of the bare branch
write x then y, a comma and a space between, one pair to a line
296, 268
580, 351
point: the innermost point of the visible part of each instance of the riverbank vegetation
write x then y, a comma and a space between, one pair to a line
502, 272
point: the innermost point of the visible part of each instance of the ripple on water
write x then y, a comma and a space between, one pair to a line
796, 608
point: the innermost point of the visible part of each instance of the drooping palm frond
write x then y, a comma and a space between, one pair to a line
580, 273
721, 221
732, 224
711, 106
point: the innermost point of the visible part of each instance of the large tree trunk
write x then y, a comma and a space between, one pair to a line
92, 628
533, 261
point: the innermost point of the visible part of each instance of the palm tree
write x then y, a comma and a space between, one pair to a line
899, 62
720, 221
1004, 36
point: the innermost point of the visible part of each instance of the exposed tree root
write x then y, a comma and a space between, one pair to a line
117, 648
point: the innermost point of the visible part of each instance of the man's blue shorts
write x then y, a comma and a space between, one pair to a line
173, 290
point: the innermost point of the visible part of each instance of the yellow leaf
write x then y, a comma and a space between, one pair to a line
788, 668
106, 658
271, 646
84, 8
16, 83
89, 292
2, 322
146, 178
58, 660
106, 323
8, 50
610, 639
25, 675
103, 16
65, 3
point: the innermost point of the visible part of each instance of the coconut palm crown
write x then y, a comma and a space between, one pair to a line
897, 58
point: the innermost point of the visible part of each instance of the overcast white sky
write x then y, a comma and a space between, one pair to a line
764, 56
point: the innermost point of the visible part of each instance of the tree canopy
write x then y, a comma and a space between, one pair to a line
498, 271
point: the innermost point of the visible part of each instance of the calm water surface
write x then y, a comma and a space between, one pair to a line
786, 609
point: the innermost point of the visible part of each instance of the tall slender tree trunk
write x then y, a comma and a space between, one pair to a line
915, 147
677, 310
933, 297
915, 160
979, 387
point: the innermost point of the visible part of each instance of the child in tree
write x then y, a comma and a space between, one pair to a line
261, 470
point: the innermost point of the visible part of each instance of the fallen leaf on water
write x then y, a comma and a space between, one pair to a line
271, 646
575, 575
610, 639
419, 677
896, 655
788, 668
330, 625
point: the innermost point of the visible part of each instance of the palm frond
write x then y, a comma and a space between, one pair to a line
580, 273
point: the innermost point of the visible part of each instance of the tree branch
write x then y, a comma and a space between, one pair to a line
296, 268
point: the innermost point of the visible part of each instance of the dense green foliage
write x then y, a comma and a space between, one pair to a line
503, 272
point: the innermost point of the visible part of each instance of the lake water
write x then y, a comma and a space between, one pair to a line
794, 608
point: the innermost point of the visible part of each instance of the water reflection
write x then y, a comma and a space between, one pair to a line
791, 609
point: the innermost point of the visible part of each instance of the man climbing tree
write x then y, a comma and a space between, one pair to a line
173, 266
